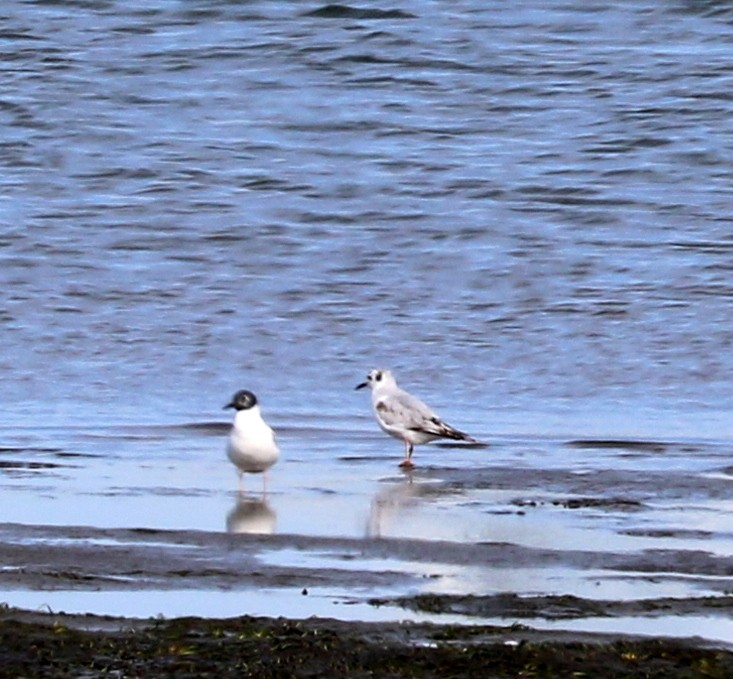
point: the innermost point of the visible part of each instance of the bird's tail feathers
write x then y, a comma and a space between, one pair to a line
456, 435
446, 431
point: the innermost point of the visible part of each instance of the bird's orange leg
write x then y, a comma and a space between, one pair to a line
407, 463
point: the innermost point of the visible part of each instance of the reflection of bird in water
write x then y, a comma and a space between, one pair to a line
405, 417
251, 446
387, 503
251, 516
407, 509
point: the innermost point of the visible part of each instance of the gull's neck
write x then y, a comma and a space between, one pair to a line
247, 417
386, 383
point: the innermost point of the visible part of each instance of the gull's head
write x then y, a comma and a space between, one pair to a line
377, 378
242, 400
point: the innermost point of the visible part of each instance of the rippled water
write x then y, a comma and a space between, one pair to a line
524, 210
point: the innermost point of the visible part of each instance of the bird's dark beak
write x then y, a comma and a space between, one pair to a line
228, 405
361, 386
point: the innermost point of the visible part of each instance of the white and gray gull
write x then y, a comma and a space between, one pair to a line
405, 417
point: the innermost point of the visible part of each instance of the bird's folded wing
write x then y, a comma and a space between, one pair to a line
406, 412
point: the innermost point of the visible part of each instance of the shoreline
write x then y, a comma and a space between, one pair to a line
60, 645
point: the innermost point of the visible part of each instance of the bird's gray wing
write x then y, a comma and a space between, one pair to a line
407, 412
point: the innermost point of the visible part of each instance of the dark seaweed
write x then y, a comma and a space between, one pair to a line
256, 647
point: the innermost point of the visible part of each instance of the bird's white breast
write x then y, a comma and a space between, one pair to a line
252, 446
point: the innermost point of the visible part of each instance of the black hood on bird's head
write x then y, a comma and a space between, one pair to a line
242, 400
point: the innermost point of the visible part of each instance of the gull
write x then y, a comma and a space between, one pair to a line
405, 417
251, 446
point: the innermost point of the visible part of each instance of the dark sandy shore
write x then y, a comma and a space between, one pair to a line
48, 645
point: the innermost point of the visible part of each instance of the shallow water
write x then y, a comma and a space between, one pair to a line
523, 210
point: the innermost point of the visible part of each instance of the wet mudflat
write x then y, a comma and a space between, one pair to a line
578, 535
554, 557
144, 572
